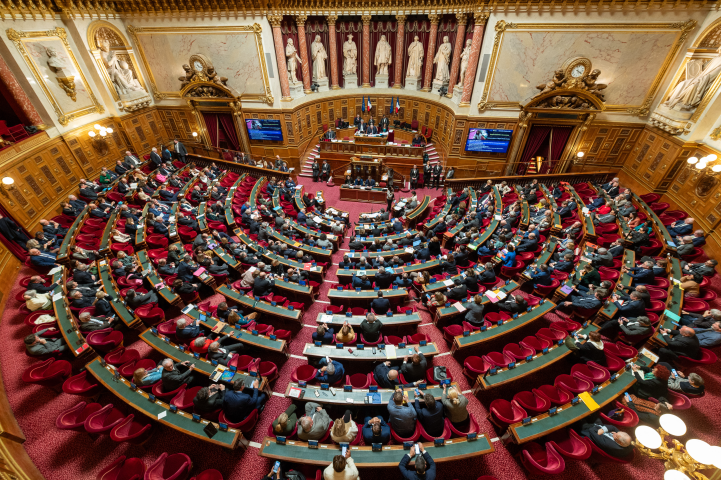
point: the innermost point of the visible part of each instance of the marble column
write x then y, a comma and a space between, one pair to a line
457, 50
8, 79
400, 34
431, 52
303, 50
280, 57
478, 29
333, 52
366, 51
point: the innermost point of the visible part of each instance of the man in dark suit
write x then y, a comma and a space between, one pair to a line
679, 342
223, 350
209, 399
681, 227
384, 123
437, 171
357, 121
529, 244
41, 259
361, 282
262, 286
160, 227
415, 175
383, 279
186, 330
120, 168
588, 302
458, 292
541, 276
330, 372
430, 414
155, 158
706, 269
237, 405
642, 275
370, 327
425, 467
325, 171
172, 378
608, 438
634, 307
376, 430
380, 305
387, 376
180, 150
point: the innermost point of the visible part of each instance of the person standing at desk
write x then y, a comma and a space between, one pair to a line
357, 121
325, 171
389, 182
415, 174
390, 197
385, 123
437, 171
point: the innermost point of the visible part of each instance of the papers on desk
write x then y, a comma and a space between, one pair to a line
317, 219
295, 392
162, 414
298, 187
491, 296
459, 306
219, 327
567, 289
374, 397
391, 352
326, 318
651, 356
669, 314
57, 296
500, 295
199, 272
497, 217
188, 308
448, 282
55, 270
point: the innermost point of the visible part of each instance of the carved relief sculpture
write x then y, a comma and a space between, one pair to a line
58, 67
383, 56
415, 58
465, 56
576, 86
203, 81
292, 60
687, 95
319, 57
350, 55
442, 60
132, 95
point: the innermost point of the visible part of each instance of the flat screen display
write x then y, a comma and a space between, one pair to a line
488, 140
264, 130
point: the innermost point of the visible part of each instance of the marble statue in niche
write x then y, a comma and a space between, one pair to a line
687, 95
350, 55
319, 56
292, 60
58, 67
112, 66
442, 61
465, 56
350, 63
383, 58
415, 58
130, 91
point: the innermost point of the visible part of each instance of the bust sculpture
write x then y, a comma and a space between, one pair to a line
383, 56
350, 55
319, 56
442, 60
415, 58
57, 65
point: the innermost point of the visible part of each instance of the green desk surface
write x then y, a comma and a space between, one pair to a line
398, 252
442, 285
70, 235
242, 335
415, 267
451, 311
658, 225
676, 271
259, 306
419, 209
358, 395
544, 424
253, 198
342, 354
477, 337
298, 197
180, 421
296, 288
202, 366
609, 311
142, 226
121, 310
674, 303
355, 320
396, 236
200, 217
105, 240
390, 456
66, 322
523, 368
230, 261
590, 228
367, 295
154, 279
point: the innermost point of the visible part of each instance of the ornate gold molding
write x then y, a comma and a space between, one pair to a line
266, 96
683, 29
331, 19
18, 37
434, 18
275, 19
366, 18
716, 134
401, 18
462, 18
300, 19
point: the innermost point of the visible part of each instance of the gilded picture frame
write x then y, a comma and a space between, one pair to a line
265, 96
29, 43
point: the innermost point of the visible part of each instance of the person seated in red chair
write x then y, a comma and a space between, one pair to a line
681, 227
222, 350
37, 301
323, 334
608, 438
237, 405
173, 378
185, 330
425, 467
37, 346
509, 258
200, 345
416, 368
693, 384
39, 259
330, 371
88, 323
209, 399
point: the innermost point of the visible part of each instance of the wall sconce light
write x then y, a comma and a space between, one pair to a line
580, 155
8, 183
195, 136
98, 138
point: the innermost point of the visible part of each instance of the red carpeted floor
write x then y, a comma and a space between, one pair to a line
63, 455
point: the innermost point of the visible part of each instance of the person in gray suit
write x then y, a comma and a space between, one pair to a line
602, 258
474, 311
685, 245
706, 269
416, 368
37, 346
314, 424
180, 150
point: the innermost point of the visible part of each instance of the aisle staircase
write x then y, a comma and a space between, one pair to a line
306, 170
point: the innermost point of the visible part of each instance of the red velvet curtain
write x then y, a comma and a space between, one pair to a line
342, 29
421, 26
558, 144
211, 124
316, 25
225, 121
536, 138
14, 248
388, 26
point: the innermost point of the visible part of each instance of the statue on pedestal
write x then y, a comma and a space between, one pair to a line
465, 56
350, 55
383, 56
292, 61
319, 56
442, 60
415, 58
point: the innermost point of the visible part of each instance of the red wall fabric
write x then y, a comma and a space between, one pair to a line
226, 124
536, 138
211, 124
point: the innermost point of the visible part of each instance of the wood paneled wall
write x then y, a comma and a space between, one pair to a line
47, 170
607, 145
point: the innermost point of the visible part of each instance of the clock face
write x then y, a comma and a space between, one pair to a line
578, 71
198, 66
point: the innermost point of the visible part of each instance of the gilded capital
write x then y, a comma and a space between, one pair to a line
300, 19
480, 17
462, 18
366, 19
275, 19
434, 18
331, 19
401, 18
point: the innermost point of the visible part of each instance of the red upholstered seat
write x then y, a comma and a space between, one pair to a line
446, 434
542, 461
104, 419
629, 420
132, 430
246, 425
429, 376
305, 373
536, 343
123, 469
358, 380
572, 446
184, 399
591, 371
160, 394
497, 359
573, 384
150, 314
707, 358
619, 350
532, 402
210, 474
47, 372
81, 384
604, 457
413, 438
556, 394
516, 351
74, 417
105, 340
503, 413
169, 467
474, 366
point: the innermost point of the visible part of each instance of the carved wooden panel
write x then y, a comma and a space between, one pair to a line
609, 145
654, 159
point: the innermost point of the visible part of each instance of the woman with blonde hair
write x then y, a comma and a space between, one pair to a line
456, 406
249, 277
424, 278
142, 377
344, 429
438, 300
346, 333
235, 319
286, 421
